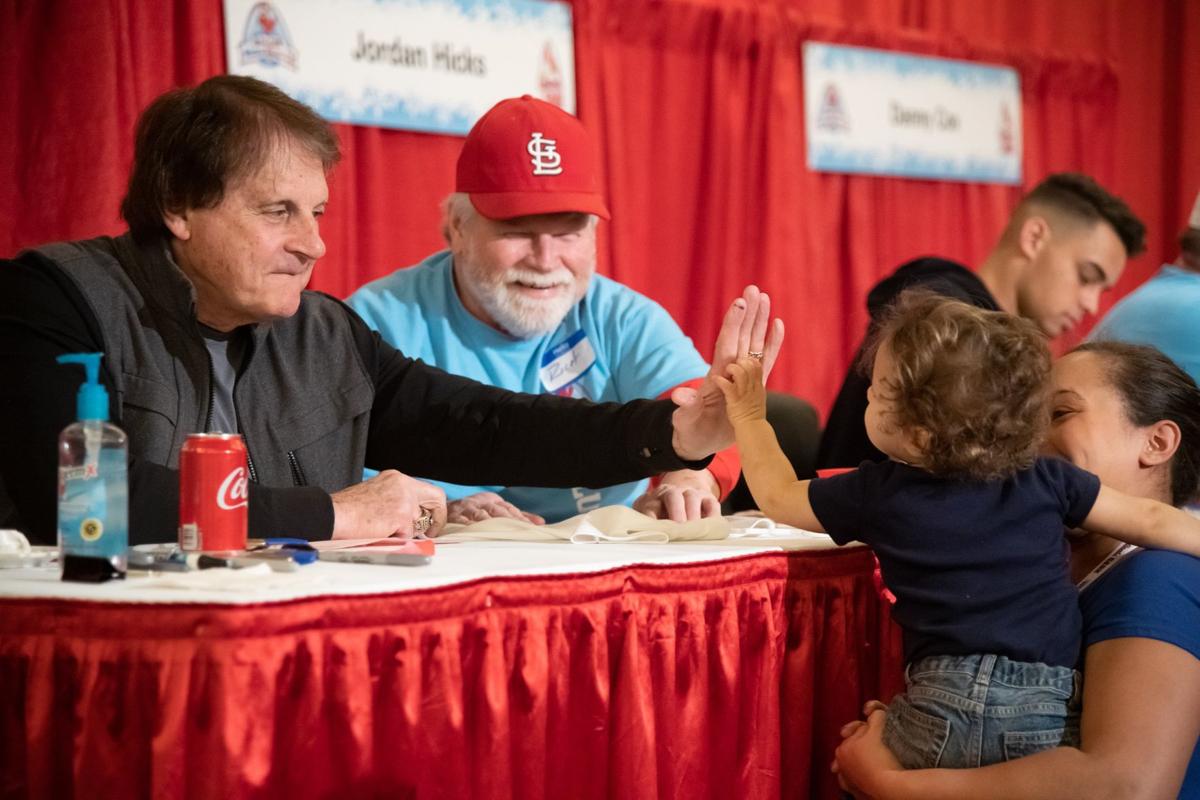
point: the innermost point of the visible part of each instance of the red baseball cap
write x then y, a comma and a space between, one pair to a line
526, 156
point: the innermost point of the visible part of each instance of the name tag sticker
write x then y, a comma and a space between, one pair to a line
566, 362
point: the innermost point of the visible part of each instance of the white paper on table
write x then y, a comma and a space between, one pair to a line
749, 529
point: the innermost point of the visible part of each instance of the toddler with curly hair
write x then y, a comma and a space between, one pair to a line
967, 522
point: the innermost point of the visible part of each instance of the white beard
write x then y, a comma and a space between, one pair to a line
521, 316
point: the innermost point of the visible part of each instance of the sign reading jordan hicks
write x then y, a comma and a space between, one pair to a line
427, 65
885, 113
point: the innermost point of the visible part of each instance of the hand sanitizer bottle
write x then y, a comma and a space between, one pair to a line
93, 485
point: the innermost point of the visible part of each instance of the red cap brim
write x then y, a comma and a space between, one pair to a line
508, 205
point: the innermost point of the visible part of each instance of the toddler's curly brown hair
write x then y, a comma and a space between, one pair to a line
973, 383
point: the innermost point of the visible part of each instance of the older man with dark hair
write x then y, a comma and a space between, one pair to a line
1066, 242
515, 302
201, 314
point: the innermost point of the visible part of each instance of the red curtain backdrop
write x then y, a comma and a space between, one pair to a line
697, 107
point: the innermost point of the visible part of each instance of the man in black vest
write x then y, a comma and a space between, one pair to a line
204, 323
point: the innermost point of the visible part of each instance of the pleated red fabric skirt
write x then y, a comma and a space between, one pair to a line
723, 679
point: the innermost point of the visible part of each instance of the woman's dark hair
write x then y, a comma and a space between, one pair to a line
1154, 388
975, 381
191, 143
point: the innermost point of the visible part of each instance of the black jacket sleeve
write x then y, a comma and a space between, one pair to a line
42, 316
430, 423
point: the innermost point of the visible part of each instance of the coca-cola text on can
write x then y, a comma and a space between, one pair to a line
213, 492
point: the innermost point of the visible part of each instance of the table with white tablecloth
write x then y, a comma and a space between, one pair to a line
502, 670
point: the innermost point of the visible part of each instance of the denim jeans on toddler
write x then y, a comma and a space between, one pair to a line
968, 711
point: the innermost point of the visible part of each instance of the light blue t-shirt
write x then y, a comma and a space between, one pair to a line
1163, 312
613, 345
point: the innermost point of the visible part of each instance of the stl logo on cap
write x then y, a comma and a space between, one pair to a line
546, 158
525, 156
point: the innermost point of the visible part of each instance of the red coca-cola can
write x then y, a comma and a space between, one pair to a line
213, 492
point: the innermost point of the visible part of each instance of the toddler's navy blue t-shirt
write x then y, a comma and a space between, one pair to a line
976, 566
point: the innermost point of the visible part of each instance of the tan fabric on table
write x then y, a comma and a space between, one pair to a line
608, 524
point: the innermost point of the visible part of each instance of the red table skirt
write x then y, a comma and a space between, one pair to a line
722, 680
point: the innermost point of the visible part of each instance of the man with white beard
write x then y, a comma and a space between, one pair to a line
514, 302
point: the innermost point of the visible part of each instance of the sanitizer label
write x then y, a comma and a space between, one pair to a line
93, 506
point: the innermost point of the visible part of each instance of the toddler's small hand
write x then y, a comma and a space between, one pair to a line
745, 397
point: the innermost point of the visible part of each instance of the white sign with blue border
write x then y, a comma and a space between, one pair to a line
427, 65
878, 112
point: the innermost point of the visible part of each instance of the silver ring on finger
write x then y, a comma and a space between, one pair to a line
755, 354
